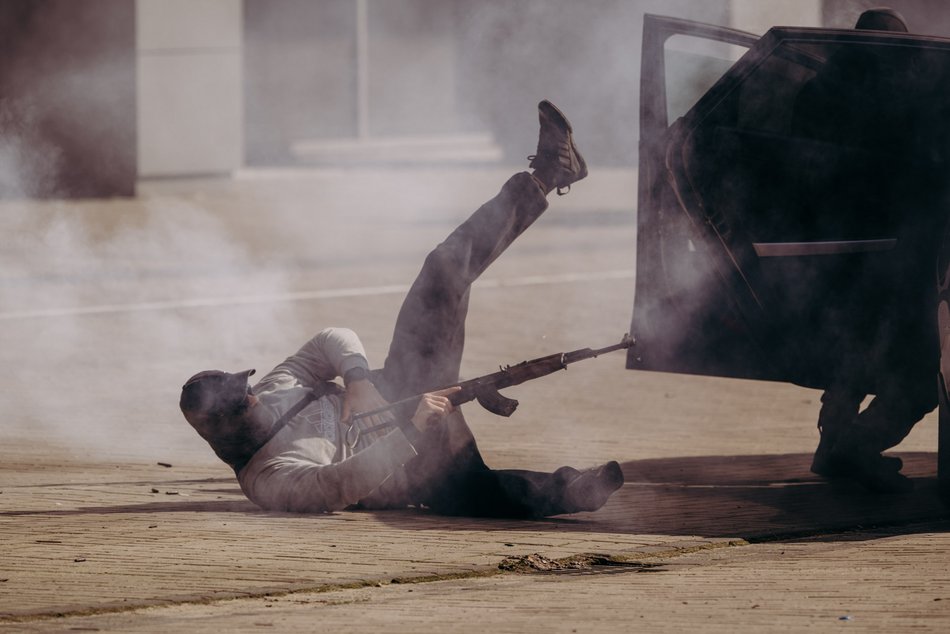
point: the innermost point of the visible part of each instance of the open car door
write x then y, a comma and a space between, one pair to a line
681, 60
787, 199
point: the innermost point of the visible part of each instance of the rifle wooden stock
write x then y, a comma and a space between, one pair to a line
485, 389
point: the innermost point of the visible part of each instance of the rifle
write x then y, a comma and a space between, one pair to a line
484, 389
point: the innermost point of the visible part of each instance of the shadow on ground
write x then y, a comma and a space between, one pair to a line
755, 498
764, 496
750, 497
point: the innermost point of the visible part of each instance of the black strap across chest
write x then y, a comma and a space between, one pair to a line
279, 424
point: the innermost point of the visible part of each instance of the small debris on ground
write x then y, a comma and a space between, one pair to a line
534, 561
79, 559
154, 490
537, 562
164, 464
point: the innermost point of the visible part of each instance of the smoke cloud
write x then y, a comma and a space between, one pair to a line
108, 305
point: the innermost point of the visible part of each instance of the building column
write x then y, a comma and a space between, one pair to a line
190, 87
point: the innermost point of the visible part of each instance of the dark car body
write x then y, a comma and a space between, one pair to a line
793, 197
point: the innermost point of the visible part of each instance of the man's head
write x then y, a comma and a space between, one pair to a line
217, 405
881, 19
212, 396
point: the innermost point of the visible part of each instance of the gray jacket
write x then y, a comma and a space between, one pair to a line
306, 467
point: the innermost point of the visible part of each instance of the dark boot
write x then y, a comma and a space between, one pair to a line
839, 408
587, 490
828, 463
855, 457
557, 163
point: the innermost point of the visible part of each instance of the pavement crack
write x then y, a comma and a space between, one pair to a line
639, 561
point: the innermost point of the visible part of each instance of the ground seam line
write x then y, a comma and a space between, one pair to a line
299, 296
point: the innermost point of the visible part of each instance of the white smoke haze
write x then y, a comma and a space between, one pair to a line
97, 358
83, 378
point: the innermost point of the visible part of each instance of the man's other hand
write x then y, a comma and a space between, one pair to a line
433, 408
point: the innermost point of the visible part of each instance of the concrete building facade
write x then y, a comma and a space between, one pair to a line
190, 106
219, 85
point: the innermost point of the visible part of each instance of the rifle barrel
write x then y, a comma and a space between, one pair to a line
567, 357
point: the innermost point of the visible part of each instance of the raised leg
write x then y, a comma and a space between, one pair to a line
429, 335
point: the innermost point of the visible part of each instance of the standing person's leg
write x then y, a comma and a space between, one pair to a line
891, 415
906, 392
839, 407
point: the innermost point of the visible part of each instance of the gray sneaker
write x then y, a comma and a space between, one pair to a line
588, 490
557, 155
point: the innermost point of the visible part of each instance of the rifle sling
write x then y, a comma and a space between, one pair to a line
279, 424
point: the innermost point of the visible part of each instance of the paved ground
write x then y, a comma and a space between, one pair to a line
115, 516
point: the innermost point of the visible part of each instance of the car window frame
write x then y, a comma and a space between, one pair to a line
657, 30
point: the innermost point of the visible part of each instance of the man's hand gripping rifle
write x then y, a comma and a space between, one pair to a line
484, 389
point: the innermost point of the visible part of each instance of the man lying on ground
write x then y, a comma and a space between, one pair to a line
291, 442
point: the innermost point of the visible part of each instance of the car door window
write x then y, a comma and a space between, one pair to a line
692, 65
820, 141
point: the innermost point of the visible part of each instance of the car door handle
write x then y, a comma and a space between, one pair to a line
826, 247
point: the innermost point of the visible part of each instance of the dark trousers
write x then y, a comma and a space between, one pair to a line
890, 416
899, 360
449, 475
